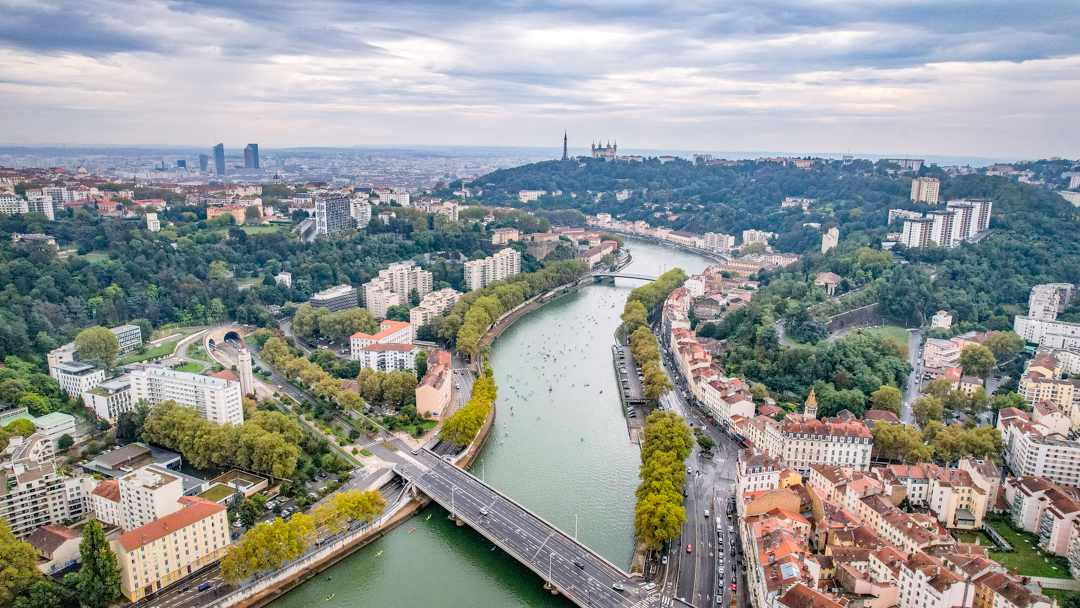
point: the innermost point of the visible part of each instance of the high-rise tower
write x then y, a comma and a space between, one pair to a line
219, 159
251, 156
564, 156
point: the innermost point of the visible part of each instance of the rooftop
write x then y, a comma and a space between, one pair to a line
195, 510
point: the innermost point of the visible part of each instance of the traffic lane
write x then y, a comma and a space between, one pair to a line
525, 534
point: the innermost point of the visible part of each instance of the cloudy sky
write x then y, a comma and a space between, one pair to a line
988, 78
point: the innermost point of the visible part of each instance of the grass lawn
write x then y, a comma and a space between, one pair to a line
889, 331
95, 257
216, 493
366, 452
196, 352
261, 229
1060, 594
1027, 558
190, 367
153, 353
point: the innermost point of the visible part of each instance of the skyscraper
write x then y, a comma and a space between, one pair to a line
203, 161
219, 159
251, 156
333, 214
181, 164
564, 156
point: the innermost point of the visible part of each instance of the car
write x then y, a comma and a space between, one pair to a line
650, 586
483, 511
732, 550
188, 588
733, 587
731, 529
322, 347
415, 452
689, 471
577, 562
322, 475
205, 586
720, 570
689, 548
706, 512
617, 587
664, 560
312, 495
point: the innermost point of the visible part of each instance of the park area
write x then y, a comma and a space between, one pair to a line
150, 353
1026, 558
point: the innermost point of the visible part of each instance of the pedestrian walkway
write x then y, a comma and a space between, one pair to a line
1068, 584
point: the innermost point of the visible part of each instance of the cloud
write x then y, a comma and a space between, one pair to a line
973, 77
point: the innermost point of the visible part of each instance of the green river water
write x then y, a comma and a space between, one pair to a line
562, 453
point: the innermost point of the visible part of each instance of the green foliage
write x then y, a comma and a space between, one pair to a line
266, 443
887, 398
977, 361
313, 322
462, 427
653, 294
47, 594
900, 442
421, 363
634, 316
98, 344
267, 546
65, 442
927, 408
99, 576
19, 562
659, 514
1005, 345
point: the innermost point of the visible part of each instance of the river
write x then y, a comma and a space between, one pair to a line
561, 454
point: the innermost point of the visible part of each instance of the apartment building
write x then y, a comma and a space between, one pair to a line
916, 232
940, 353
216, 399
388, 357
54, 426
404, 277
480, 273
153, 224
333, 214
110, 398
129, 336
283, 278
724, 403
756, 471
162, 552
1045, 508
36, 494
955, 497
339, 297
925, 189
831, 441
503, 236
1037, 386
927, 582
763, 432
76, 378
105, 502
433, 391
1047, 301
719, 242
391, 332
434, 304
757, 236
1001, 590
379, 296
360, 211
895, 214
1051, 334
148, 494
1030, 451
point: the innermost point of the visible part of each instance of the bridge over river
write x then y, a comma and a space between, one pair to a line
623, 275
567, 566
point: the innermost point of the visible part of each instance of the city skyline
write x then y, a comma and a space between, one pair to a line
906, 78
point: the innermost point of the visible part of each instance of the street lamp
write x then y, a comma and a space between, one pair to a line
550, 580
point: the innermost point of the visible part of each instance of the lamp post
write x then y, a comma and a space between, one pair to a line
550, 580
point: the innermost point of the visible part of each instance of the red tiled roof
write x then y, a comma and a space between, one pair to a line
195, 509
225, 374
109, 490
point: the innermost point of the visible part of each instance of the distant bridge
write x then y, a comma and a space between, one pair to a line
623, 275
567, 566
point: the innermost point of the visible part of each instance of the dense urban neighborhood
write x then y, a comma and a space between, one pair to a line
220, 381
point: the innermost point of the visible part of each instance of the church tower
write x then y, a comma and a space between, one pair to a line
564, 156
810, 409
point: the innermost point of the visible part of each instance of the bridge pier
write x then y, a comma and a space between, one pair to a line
551, 588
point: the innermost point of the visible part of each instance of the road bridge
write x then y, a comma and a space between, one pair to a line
623, 275
566, 565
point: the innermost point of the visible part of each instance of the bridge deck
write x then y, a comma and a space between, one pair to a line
545, 549
624, 275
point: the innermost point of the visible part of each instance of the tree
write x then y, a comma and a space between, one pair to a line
927, 408
938, 389
887, 398
99, 578
977, 361
98, 344
398, 312
759, 392
1003, 399
18, 565
421, 363
634, 316
247, 513
1005, 345
146, 329
65, 442
47, 594
950, 443
252, 213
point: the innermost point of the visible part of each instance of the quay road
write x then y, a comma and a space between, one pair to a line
578, 573
709, 486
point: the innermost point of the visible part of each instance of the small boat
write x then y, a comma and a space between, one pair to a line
378, 554
429, 517
411, 531
601, 392
330, 597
